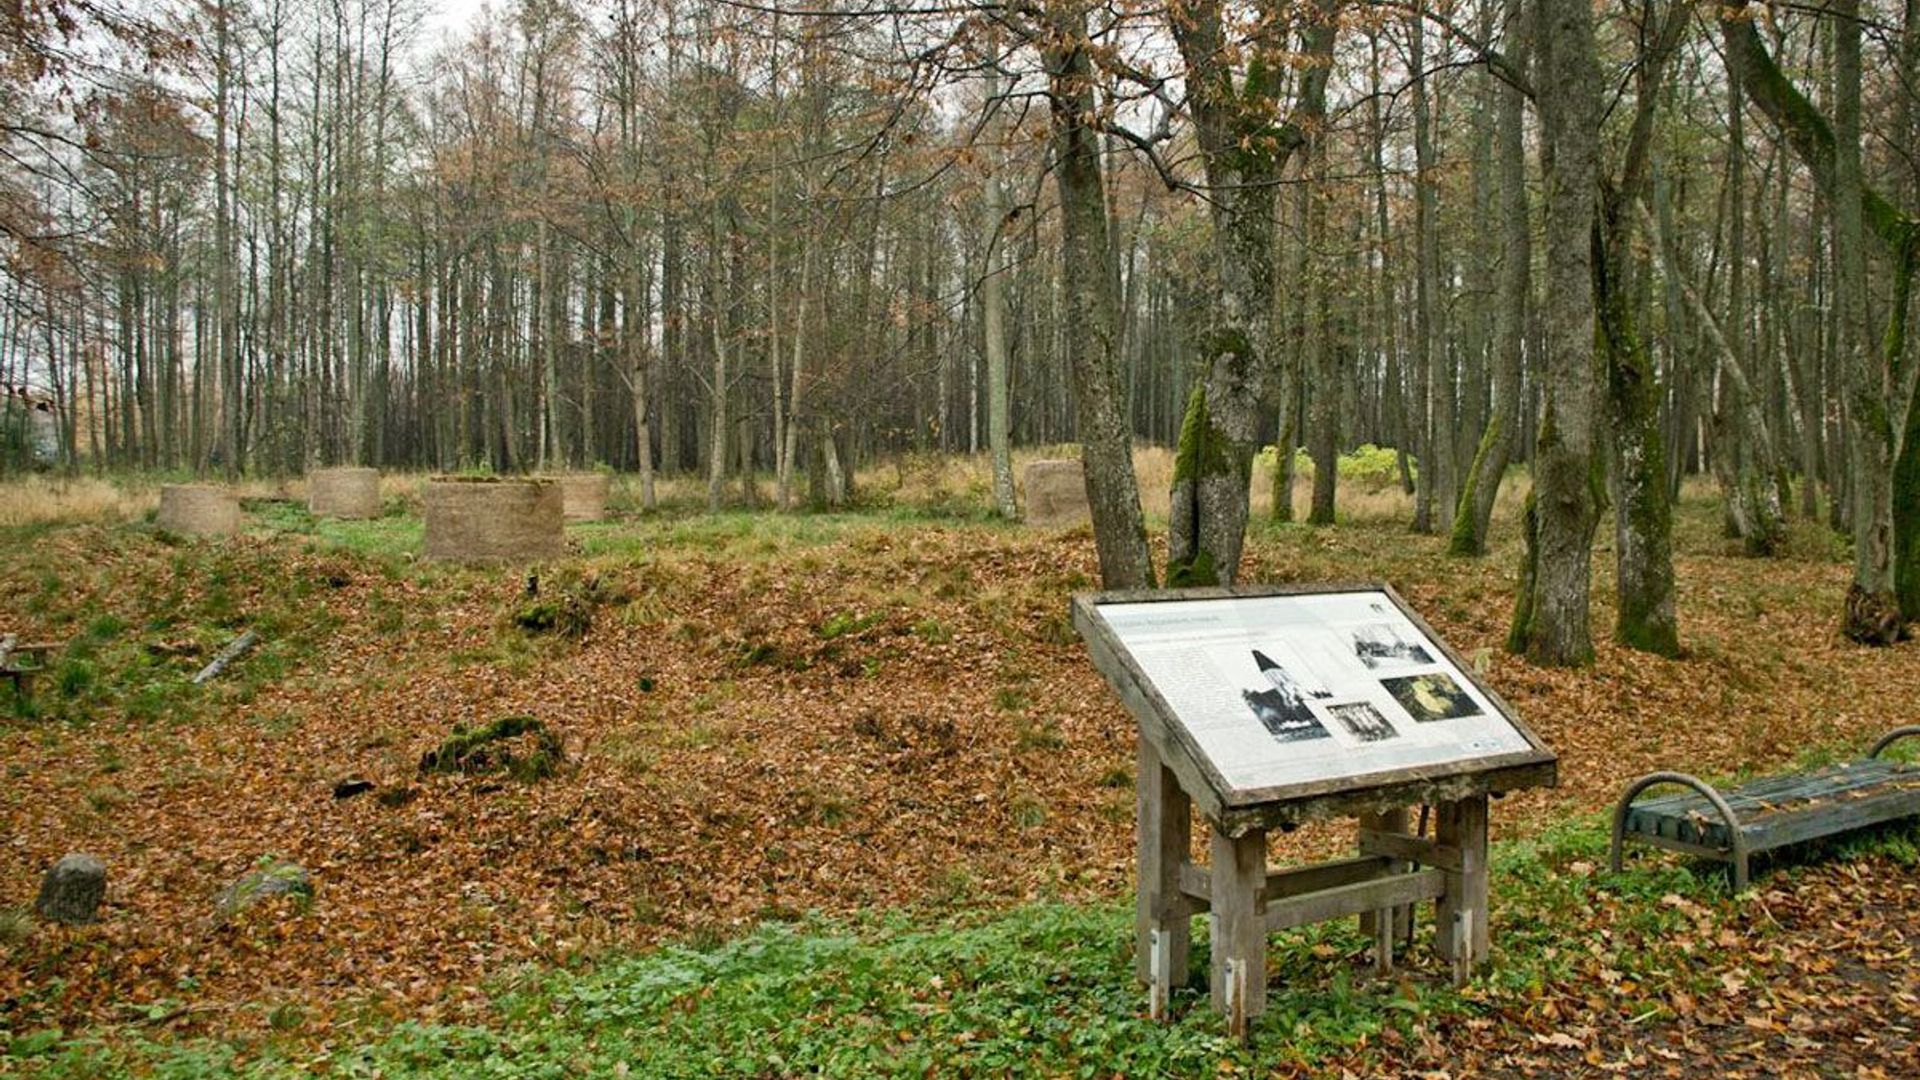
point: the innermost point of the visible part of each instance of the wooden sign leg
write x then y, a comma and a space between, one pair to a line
1239, 874
1460, 915
1162, 921
1383, 932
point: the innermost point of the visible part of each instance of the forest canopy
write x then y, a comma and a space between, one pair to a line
1616, 245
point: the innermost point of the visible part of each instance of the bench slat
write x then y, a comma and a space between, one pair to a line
1763, 795
1830, 818
1779, 810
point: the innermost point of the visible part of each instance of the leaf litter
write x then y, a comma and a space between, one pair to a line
880, 717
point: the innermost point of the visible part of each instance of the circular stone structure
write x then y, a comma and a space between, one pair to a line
344, 493
199, 510
583, 496
487, 519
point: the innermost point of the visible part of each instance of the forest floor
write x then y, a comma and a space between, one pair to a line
824, 773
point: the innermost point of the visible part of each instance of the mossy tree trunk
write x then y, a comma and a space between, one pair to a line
1206, 514
1090, 318
1879, 382
1245, 151
1283, 457
1872, 609
1482, 485
1906, 470
1643, 513
1323, 353
1551, 611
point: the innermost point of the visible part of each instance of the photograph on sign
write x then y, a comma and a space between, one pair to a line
1431, 697
1381, 645
1295, 689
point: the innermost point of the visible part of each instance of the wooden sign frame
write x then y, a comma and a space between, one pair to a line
1245, 899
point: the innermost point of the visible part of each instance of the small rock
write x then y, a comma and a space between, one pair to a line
272, 877
72, 890
351, 786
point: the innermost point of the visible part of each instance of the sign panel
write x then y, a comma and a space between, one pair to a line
1279, 690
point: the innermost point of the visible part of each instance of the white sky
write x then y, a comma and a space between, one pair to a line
450, 16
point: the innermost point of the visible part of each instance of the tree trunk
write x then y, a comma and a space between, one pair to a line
1106, 446
1879, 384
1243, 155
1643, 515
1433, 380
993, 331
1323, 402
1551, 619
1489, 466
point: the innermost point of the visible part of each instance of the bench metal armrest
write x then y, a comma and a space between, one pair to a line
1738, 856
1892, 737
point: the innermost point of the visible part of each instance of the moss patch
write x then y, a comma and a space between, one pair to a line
519, 746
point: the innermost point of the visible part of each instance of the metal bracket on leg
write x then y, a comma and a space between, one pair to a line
1160, 984
1462, 946
1236, 991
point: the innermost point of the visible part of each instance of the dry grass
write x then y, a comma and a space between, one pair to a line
46, 499
930, 480
948, 483
36, 500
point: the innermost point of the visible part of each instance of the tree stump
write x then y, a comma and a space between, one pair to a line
72, 890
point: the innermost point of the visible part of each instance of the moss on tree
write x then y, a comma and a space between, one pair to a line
1520, 630
1204, 453
1469, 537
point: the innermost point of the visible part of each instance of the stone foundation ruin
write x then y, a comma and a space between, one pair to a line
583, 496
494, 520
344, 493
1056, 493
199, 510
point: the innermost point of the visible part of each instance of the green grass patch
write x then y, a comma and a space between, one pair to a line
1041, 991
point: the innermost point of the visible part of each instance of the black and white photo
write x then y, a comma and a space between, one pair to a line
1309, 687
1382, 645
1281, 705
1362, 721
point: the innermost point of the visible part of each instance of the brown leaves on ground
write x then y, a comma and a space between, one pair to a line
889, 715
1814, 977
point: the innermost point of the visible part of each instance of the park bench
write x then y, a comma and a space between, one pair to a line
12, 652
1770, 811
